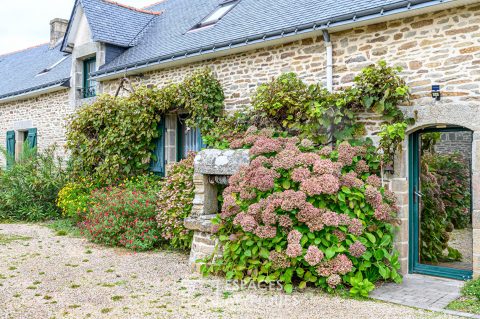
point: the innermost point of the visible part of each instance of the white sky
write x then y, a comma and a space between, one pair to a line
25, 23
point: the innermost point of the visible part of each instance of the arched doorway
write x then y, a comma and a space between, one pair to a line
440, 202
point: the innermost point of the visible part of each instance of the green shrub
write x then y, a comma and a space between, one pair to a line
122, 217
74, 199
174, 204
288, 104
29, 188
301, 215
453, 175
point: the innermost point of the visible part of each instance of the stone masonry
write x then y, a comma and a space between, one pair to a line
48, 113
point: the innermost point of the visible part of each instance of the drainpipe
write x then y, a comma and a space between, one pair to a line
328, 48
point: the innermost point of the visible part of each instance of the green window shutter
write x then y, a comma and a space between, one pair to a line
32, 137
157, 165
10, 148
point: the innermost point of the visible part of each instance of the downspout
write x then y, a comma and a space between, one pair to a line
329, 62
329, 51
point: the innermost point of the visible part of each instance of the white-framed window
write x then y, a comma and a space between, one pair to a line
217, 14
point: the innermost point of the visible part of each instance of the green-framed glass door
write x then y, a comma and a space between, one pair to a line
440, 202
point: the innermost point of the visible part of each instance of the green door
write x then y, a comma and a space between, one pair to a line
441, 236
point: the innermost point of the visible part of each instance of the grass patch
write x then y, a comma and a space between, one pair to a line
64, 227
7, 239
470, 300
117, 298
106, 310
465, 304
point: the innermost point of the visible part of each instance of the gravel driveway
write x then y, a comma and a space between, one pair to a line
48, 276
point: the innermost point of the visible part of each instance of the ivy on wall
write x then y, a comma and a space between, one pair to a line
113, 138
289, 105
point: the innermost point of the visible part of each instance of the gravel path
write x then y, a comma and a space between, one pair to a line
48, 276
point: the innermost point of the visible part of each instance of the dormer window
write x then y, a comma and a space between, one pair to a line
218, 14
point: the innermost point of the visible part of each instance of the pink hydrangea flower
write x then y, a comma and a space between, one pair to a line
373, 196
286, 159
374, 180
313, 256
325, 151
355, 227
266, 231
309, 212
279, 260
362, 167
229, 207
351, 180
307, 159
261, 178
300, 174
346, 153
238, 143
325, 166
260, 161
294, 237
330, 219
325, 184
292, 200
357, 249
285, 221
334, 280
293, 250
265, 145
383, 212
340, 235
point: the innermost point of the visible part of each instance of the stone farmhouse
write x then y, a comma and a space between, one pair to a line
246, 43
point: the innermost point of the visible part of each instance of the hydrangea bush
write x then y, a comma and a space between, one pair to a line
303, 215
174, 204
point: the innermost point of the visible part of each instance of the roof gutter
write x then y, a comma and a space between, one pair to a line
370, 16
36, 91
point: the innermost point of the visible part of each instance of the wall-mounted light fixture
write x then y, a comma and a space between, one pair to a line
436, 92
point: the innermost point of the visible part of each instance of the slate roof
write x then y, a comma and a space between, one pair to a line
249, 18
160, 31
117, 24
19, 70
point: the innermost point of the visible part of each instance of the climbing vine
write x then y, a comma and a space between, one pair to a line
289, 105
114, 137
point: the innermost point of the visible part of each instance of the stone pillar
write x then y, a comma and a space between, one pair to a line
208, 164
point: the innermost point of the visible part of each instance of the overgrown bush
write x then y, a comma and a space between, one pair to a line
121, 216
174, 204
113, 138
29, 188
435, 228
288, 104
301, 215
453, 175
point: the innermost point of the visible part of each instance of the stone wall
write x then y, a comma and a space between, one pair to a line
455, 142
438, 48
47, 113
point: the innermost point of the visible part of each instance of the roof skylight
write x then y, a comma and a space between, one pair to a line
218, 14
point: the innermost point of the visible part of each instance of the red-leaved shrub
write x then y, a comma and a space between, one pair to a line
122, 217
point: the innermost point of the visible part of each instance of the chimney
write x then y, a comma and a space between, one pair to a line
58, 28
